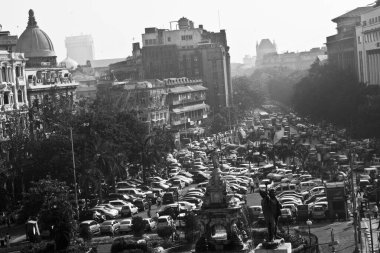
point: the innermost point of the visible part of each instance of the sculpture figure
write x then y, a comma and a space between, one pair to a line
272, 211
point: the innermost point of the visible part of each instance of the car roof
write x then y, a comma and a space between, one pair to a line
86, 222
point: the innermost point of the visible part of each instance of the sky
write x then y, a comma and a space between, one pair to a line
295, 25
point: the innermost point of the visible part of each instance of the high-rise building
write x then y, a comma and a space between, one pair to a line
80, 48
341, 47
192, 52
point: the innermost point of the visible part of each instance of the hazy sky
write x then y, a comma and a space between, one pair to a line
295, 25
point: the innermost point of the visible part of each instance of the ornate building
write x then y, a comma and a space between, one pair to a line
42, 73
266, 47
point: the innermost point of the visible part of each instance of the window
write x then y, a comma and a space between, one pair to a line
359, 40
169, 39
6, 98
187, 37
19, 96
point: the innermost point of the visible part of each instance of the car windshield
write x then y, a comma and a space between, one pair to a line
162, 220
107, 223
125, 222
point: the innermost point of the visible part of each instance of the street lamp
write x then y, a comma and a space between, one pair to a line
75, 176
309, 223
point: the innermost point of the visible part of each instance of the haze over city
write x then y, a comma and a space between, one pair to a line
295, 25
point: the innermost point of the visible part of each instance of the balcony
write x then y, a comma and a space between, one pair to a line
190, 100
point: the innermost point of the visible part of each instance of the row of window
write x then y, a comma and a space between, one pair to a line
149, 42
370, 37
158, 115
188, 115
186, 37
372, 21
6, 73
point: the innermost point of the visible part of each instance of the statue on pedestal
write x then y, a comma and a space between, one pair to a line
272, 211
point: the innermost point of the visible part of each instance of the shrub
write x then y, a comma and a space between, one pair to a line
138, 226
85, 233
165, 232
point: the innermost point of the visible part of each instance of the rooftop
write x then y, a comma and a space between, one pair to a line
354, 13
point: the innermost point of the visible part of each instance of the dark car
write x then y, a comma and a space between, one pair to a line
91, 215
141, 204
168, 198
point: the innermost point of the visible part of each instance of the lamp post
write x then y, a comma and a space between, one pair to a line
75, 176
309, 223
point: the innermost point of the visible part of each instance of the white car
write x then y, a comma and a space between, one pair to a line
150, 224
109, 213
290, 199
126, 208
316, 190
110, 226
165, 220
187, 205
125, 226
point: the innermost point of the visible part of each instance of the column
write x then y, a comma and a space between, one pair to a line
1, 75
378, 69
14, 74
15, 97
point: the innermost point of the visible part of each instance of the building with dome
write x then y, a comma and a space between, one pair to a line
36, 45
42, 73
266, 47
68, 63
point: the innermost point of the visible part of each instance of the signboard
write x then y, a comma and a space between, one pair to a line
45, 63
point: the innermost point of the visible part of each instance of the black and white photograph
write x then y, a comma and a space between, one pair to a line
171, 126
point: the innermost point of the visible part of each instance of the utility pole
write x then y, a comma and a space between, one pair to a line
353, 200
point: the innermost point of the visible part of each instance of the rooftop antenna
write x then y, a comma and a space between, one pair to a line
219, 19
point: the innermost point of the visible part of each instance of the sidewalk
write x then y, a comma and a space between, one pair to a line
366, 235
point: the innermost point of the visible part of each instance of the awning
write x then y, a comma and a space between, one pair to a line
184, 89
190, 108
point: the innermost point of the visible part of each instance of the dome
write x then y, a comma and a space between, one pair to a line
34, 42
69, 63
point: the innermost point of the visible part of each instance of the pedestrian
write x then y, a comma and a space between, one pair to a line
375, 211
8, 240
148, 212
158, 201
252, 184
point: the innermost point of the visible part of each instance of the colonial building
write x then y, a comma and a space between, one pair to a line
13, 92
266, 47
192, 52
368, 47
186, 100
42, 73
146, 98
131, 68
7, 41
80, 48
341, 47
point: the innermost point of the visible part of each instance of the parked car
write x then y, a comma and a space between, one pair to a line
165, 220
110, 226
286, 216
141, 204
168, 198
108, 213
91, 215
255, 211
150, 224
125, 226
126, 208
318, 212
92, 226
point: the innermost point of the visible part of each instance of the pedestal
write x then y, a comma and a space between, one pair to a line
282, 248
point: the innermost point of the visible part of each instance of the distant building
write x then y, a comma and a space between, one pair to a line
291, 60
42, 73
266, 47
80, 48
341, 47
191, 52
368, 47
100, 67
7, 42
131, 68
249, 61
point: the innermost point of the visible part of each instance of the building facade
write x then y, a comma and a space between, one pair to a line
192, 52
266, 47
7, 41
42, 75
186, 100
341, 47
291, 60
80, 48
368, 47
131, 68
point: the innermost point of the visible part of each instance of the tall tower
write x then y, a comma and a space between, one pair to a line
80, 48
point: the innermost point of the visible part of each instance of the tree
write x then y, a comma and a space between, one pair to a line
138, 226
165, 232
246, 95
